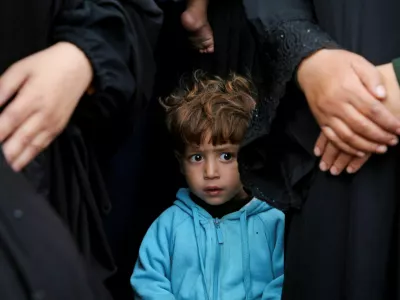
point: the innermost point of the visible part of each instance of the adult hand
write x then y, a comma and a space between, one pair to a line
342, 90
334, 159
47, 87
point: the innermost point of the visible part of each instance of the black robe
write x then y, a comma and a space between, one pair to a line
70, 172
342, 232
38, 257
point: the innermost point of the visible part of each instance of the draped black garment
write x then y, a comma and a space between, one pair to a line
70, 172
342, 232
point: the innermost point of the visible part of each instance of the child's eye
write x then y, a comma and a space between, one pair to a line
226, 156
196, 158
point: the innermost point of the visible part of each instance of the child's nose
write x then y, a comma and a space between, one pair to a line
211, 170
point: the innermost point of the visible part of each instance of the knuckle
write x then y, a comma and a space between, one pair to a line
347, 85
364, 126
26, 138
13, 116
348, 137
375, 109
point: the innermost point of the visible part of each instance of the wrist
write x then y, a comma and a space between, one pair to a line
78, 61
308, 65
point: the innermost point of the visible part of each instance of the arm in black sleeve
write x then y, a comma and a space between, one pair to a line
287, 33
115, 44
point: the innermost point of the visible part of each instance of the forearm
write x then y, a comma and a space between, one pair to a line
287, 34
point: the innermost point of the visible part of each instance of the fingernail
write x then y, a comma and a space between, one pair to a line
380, 91
394, 142
317, 151
360, 154
334, 171
381, 149
323, 166
350, 170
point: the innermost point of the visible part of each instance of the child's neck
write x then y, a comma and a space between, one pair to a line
218, 211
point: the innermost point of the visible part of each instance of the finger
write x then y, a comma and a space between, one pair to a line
370, 77
373, 109
320, 145
38, 144
350, 142
21, 138
356, 164
341, 162
366, 128
17, 112
328, 157
11, 81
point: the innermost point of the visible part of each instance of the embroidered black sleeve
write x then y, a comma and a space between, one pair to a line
283, 46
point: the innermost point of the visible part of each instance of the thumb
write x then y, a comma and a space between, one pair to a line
11, 81
370, 77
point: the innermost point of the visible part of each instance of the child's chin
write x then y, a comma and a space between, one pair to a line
215, 201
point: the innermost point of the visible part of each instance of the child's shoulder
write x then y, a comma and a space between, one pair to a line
271, 214
173, 216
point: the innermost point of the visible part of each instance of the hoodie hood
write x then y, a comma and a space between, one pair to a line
201, 216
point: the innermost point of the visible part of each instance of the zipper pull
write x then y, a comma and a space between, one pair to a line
220, 236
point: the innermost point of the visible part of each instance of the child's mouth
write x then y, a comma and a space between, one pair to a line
213, 190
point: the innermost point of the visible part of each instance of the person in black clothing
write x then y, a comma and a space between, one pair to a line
74, 76
342, 231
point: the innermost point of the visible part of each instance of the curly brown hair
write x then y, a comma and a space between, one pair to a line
210, 106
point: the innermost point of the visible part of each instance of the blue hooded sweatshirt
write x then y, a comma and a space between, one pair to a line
188, 255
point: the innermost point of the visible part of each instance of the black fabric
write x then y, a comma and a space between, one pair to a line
286, 33
70, 172
124, 174
343, 243
38, 258
120, 50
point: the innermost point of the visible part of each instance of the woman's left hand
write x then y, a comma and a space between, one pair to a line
47, 88
335, 160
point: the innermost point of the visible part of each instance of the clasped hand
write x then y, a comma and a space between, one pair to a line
356, 104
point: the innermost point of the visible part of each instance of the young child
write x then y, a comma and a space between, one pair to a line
216, 241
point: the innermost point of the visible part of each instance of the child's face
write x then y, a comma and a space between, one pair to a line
212, 172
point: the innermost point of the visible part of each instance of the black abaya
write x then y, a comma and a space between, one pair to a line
38, 258
343, 232
69, 173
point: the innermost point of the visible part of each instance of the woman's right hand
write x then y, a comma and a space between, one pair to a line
344, 92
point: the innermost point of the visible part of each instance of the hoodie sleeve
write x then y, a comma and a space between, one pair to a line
151, 276
275, 228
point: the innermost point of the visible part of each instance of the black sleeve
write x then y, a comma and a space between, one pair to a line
287, 33
118, 48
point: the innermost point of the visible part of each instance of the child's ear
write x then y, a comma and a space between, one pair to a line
178, 156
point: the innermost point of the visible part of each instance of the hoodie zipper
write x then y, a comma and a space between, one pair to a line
220, 239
